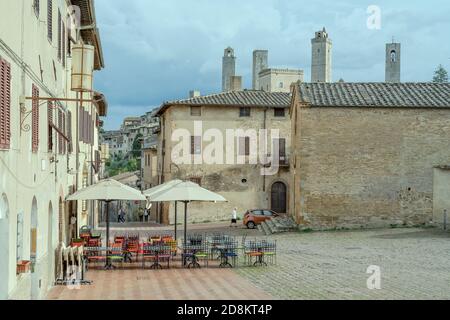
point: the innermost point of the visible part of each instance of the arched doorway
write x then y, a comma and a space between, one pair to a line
279, 197
50, 238
34, 250
61, 222
4, 246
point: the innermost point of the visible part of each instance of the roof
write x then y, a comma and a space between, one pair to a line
89, 31
436, 95
246, 98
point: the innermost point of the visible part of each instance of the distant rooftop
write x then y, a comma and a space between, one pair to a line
380, 94
246, 98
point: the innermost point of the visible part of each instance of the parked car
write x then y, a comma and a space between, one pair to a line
257, 216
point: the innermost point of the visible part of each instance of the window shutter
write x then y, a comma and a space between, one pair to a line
50, 129
63, 40
59, 35
65, 133
69, 131
80, 124
5, 104
247, 146
242, 146
35, 120
50, 20
60, 140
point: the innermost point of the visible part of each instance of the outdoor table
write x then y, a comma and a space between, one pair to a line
224, 249
193, 250
257, 252
155, 251
107, 250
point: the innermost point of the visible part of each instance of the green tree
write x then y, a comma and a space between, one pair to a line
440, 75
137, 146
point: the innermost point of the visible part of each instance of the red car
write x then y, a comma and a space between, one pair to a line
256, 216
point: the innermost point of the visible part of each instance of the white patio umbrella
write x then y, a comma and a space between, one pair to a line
186, 192
107, 190
150, 192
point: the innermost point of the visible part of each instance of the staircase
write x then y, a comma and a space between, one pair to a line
277, 225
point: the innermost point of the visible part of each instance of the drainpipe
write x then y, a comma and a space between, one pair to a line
264, 127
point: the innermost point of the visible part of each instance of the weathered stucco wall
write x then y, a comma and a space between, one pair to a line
361, 167
241, 184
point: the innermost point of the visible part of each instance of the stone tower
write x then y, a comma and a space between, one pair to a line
228, 68
393, 62
260, 62
321, 57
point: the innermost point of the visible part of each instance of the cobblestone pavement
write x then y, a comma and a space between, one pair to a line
415, 264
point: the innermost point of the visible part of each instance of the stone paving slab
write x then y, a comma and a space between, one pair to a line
414, 264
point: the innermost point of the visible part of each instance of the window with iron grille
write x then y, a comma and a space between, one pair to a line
279, 112
35, 120
60, 138
244, 112
50, 20
5, 104
196, 111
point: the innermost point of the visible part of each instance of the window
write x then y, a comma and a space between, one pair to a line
50, 20
196, 180
281, 85
244, 146
5, 104
35, 120
63, 49
279, 112
244, 112
196, 111
196, 145
393, 56
69, 131
60, 127
59, 35
50, 129
36, 7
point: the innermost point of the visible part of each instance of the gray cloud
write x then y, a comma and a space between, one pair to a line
159, 50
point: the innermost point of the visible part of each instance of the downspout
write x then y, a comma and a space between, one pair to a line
264, 127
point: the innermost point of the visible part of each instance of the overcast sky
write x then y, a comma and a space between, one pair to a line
160, 50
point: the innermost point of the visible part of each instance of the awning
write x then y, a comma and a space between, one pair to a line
101, 103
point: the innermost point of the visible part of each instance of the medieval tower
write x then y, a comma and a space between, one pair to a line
228, 68
321, 57
260, 63
393, 62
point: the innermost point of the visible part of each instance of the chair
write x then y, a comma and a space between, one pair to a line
149, 254
117, 254
133, 248
164, 253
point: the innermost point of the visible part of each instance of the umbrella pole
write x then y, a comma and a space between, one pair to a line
185, 228
176, 207
108, 261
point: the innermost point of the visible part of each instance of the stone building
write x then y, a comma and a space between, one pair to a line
228, 68
278, 80
241, 183
393, 62
260, 63
321, 57
370, 154
49, 147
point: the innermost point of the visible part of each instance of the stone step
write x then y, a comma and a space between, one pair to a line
266, 229
272, 226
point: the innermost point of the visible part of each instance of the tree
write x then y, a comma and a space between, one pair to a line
440, 75
137, 146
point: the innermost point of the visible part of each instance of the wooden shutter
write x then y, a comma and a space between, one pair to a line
69, 131
50, 20
50, 122
5, 104
80, 124
59, 35
63, 40
247, 146
35, 120
60, 139
64, 141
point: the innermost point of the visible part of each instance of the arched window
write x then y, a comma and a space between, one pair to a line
393, 56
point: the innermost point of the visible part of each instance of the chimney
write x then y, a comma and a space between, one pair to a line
194, 94
236, 83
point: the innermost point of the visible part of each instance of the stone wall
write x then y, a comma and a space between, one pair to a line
361, 167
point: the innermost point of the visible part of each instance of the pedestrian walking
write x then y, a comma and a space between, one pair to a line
234, 218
